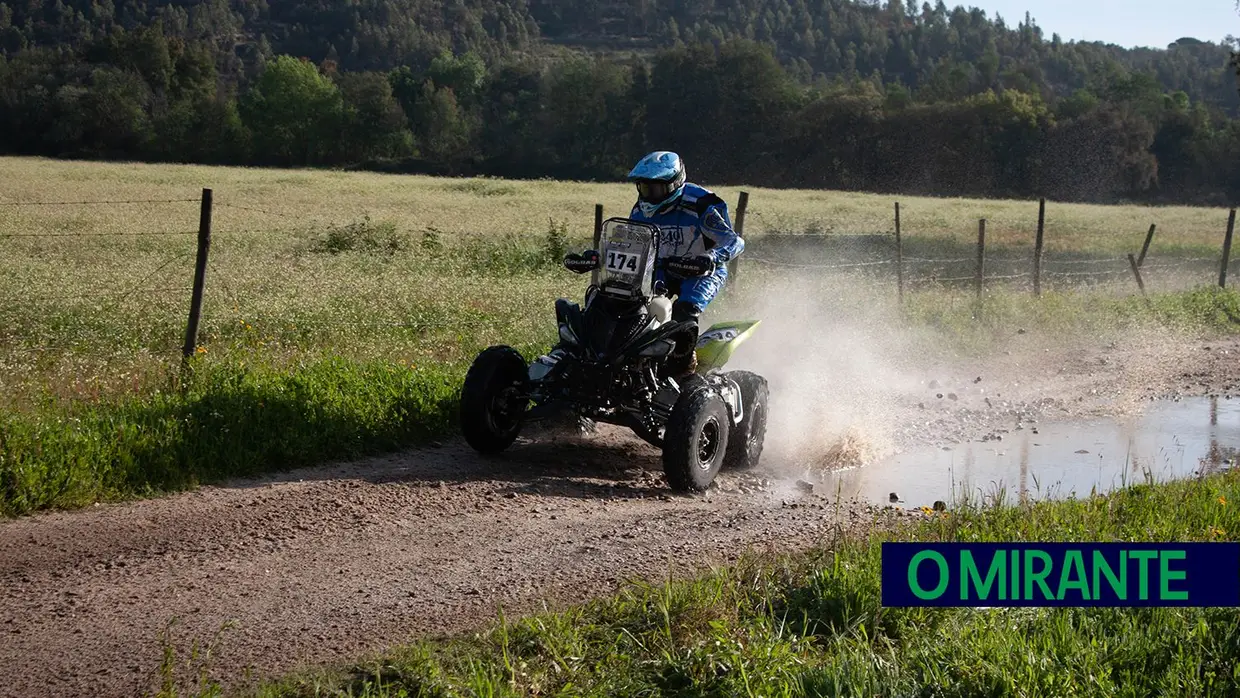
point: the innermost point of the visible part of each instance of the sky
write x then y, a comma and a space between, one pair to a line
1129, 23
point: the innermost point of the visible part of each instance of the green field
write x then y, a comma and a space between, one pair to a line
812, 624
342, 309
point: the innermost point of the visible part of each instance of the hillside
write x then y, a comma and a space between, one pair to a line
944, 53
949, 53
832, 94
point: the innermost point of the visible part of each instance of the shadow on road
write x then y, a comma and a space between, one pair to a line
611, 463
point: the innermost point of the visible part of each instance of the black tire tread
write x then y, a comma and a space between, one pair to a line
488, 366
754, 390
680, 439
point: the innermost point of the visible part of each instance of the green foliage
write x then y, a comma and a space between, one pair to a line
975, 326
556, 245
374, 124
227, 419
362, 236
970, 105
813, 623
293, 111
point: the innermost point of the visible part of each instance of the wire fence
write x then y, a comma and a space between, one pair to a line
875, 261
862, 255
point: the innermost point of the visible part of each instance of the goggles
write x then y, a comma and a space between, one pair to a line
653, 192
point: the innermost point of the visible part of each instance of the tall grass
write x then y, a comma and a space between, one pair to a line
225, 420
347, 289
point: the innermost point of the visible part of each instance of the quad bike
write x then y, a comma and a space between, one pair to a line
617, 363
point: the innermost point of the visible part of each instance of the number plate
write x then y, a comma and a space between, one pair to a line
622, 262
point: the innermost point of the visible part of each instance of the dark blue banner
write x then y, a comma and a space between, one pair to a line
1061, 574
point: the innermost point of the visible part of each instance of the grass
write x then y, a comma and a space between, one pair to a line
813, 624
318, 278
224, 421
484, 206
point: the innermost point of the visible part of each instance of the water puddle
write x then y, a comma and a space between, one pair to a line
1171, 440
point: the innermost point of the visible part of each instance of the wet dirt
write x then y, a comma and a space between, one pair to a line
1173, 439
325, 564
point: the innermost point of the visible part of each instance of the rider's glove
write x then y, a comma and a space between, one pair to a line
696, 265
582, 263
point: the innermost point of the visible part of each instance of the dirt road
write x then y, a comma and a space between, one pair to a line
325, 564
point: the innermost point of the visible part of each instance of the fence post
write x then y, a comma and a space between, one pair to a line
1037, 248
899, 257
1136, 271
598, 237
200, 275
981, 255
741, 204
1149, 237
1222, 272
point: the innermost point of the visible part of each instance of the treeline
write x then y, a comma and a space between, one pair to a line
731, 109
368, 35
939, 53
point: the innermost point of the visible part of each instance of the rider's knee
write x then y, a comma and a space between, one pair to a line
683, 311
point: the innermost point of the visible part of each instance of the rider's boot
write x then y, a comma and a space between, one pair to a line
686, 360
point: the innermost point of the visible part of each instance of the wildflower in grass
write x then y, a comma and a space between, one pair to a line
1222, 500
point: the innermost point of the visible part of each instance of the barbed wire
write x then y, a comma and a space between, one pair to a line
949, 278
938, 261
1074, 274
849, 265
96, 295
254, 210
257, 231
91, 235
97, 203
215, 324
154, 347
1108, 260
31, 350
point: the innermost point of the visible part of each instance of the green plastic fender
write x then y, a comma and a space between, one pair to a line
716, 345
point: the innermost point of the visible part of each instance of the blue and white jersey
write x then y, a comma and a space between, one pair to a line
697, 223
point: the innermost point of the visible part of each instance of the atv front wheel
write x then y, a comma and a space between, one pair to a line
695, 441
492, 410
746, 440
655, 436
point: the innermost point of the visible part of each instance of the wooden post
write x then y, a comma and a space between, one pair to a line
1037, 249
598, 237
1149, 237
1231, 227
200, 275
741, 204
899, 257
1136, 271
981, 255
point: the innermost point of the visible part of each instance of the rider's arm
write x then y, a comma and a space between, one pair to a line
717, 227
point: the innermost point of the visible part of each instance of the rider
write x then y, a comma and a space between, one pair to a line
696, 235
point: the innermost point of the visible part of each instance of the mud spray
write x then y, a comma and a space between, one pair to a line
836, 362
848, 376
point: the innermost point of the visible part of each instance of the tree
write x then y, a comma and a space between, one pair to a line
293, 112
373, 123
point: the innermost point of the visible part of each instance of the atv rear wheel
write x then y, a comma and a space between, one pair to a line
492, 411
695, 441
747, 438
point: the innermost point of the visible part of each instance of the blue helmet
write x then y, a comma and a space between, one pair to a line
660, 179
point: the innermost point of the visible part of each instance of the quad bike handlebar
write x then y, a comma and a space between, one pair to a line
582, 263
687, 266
